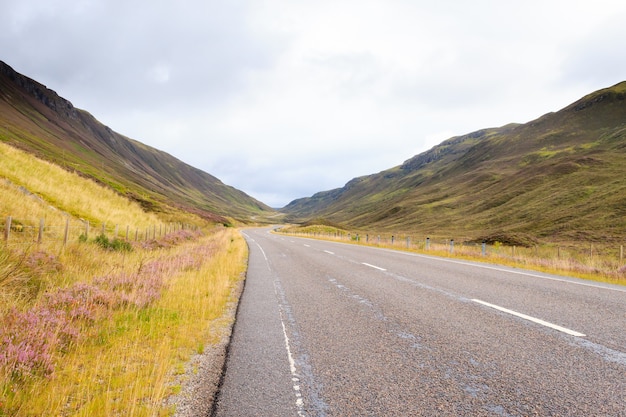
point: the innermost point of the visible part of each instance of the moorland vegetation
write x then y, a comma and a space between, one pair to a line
36, 119
558, 181
597, 263
94, 328
117, 261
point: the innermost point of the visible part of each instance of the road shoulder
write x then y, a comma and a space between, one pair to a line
203, 373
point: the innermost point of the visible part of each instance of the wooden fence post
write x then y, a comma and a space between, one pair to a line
40, 234
67, 231
7, 229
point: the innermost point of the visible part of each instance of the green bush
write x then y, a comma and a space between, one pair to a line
115, 244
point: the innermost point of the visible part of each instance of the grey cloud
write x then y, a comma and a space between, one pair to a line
354, 75
112, 50
597, 59
283, 99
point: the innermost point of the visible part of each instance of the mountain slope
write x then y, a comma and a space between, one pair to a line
562, 177
34, 118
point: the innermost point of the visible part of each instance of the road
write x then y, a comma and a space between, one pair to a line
331, 329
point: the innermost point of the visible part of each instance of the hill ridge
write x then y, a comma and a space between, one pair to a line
561, 176
38, 120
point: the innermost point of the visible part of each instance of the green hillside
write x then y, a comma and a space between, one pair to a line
561, 177
115, 267
104, 292
34, 118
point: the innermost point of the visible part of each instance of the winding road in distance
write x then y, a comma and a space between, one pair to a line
331, 329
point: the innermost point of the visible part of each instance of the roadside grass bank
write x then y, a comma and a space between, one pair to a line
110, 331
595, 262
35, 189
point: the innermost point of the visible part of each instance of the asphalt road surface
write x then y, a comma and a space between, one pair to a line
330, 329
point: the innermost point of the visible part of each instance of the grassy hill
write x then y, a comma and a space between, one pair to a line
115, 267
35, 119
559, 178
93, 322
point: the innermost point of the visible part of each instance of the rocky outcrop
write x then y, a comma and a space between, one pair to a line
40, 92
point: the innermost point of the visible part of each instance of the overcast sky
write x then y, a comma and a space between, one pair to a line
284, 98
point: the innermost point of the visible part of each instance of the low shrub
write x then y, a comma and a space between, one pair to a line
115, 244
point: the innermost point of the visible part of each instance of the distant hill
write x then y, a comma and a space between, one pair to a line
34, 118
561, 177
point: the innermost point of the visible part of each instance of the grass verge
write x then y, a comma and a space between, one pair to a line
125, 359
595, 264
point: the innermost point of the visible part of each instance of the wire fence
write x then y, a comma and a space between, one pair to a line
589, 258
16, 232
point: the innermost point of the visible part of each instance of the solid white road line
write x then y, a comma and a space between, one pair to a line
374, 266
329, 252
294, 372
511, 271
530, 318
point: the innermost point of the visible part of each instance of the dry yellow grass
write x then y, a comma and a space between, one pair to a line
586, 264
127, 365
59, 192
125, 359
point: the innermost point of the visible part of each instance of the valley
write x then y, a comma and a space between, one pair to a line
121, 266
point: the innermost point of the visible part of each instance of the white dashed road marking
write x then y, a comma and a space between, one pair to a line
374, 266
530, 318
